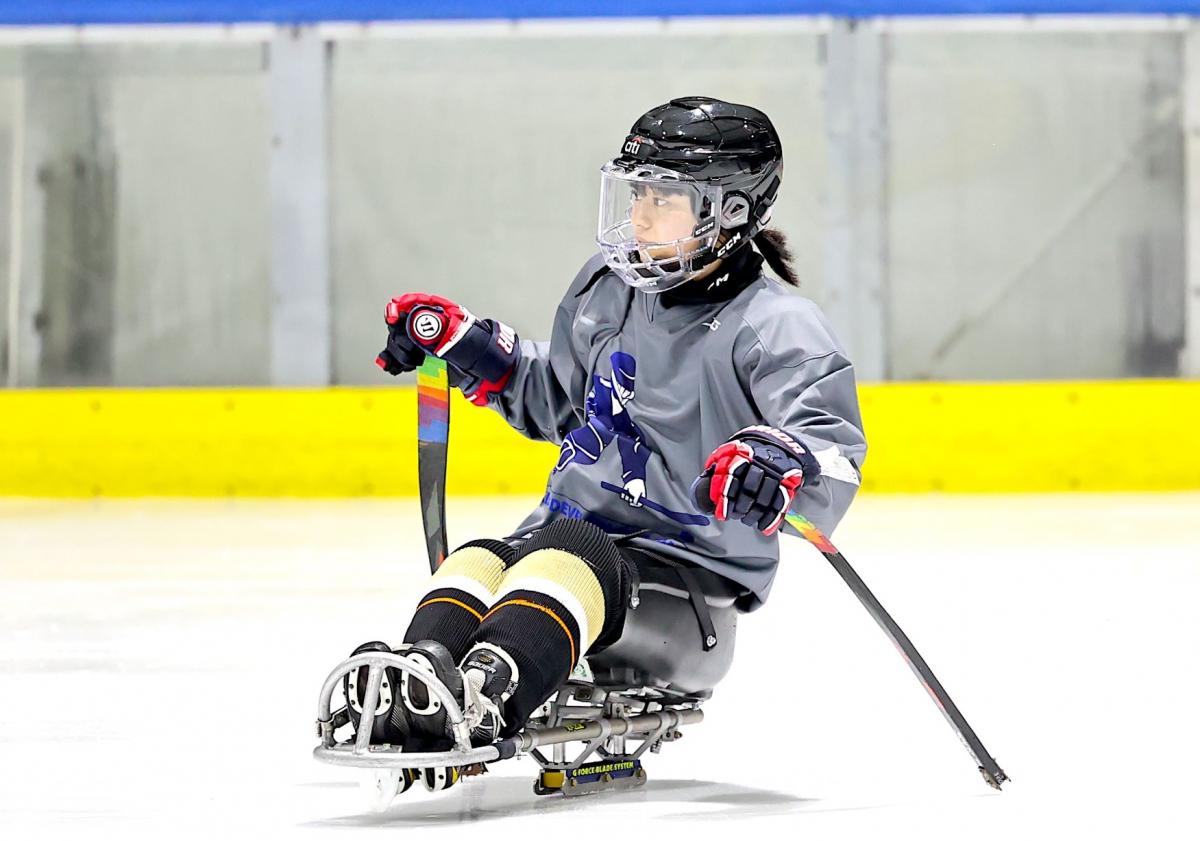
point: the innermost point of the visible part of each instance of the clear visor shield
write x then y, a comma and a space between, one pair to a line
656, 226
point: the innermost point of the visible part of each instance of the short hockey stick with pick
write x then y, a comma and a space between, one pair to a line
992, 773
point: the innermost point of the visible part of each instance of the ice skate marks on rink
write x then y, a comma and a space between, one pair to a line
161, 661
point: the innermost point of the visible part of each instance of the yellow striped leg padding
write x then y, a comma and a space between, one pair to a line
472, 569
567, 579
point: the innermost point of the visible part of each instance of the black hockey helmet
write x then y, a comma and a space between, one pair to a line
695, 181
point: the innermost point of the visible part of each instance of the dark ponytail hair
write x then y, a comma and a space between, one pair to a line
773, 246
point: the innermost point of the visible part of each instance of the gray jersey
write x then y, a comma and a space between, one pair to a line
637, 395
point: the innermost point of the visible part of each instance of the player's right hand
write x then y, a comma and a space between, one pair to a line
482, 353
402, 354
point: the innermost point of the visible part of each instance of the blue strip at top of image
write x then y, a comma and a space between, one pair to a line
78, 12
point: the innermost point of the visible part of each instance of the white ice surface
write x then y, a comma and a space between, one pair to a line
160, 662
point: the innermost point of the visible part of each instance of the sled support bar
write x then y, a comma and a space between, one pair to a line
386, 756
602, 728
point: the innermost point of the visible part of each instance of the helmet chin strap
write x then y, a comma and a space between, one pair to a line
723, 257
710, 269
706, 272
735, 213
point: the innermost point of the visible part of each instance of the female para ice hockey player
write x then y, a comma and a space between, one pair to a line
694, 398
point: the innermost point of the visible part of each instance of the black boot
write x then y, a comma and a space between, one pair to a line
481, 686
428, 723
390, 725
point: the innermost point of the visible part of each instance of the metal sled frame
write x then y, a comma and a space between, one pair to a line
609, 717
654, 713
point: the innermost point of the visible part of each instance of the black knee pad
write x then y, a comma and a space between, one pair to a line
598, 551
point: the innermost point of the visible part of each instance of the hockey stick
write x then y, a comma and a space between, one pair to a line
433, 434
992, 773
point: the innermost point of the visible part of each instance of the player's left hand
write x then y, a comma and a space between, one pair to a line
753, 477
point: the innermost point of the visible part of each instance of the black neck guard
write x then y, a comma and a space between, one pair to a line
738, 272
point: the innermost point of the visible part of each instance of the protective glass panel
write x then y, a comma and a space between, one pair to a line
143, 212
462, 166
1035, 204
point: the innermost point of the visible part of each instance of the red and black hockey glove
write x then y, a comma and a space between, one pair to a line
482, 354
753, 477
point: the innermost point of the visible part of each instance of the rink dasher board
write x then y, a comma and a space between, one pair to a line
206, 442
